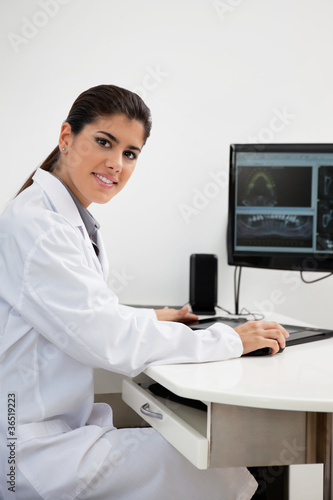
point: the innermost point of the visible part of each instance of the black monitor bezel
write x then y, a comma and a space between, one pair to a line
268, 260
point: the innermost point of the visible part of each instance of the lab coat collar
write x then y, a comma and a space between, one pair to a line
59, 197
62, 202
88, 219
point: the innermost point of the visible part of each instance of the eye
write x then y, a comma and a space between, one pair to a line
130, 155
104, 143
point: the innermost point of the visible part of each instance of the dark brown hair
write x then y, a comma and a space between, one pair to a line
94, 103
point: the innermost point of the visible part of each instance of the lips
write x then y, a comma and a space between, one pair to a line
104, 179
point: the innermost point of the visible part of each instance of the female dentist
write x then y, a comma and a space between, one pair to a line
59, 321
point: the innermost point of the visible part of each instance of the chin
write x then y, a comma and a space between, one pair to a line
102, 200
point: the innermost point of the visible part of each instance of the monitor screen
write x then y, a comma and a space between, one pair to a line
280, 213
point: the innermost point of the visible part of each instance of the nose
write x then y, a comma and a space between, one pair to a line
115, 163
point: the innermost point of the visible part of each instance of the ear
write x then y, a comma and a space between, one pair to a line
66, 136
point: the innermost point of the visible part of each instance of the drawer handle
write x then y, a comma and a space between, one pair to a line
145, 410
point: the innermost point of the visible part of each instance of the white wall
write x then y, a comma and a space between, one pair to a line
213, 73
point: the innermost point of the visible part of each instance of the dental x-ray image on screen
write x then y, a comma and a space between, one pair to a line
281, 206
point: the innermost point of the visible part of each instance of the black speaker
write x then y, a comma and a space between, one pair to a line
203, 283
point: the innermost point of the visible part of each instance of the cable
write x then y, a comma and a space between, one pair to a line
243, 312
314, 281
256, 315
225, 310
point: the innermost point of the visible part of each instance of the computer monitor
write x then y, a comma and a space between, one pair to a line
280, 213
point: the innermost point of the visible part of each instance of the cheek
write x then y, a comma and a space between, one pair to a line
125, 177
80, 153
130, 170
128, 175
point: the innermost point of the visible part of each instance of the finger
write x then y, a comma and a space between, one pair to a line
277, 336
189, 318
273, 330
184, 313
192, 317
275, 347
264, 334
273, 325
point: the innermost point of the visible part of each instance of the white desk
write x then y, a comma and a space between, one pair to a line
278, 409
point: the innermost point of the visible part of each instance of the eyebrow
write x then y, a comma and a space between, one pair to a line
113, 138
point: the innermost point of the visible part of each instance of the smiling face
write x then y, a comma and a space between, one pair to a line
98, 162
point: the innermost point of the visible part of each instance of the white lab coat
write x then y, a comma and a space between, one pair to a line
59, 321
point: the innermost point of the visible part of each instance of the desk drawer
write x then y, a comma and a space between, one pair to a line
185, 428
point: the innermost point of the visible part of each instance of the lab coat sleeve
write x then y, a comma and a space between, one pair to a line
67, 301
138, 311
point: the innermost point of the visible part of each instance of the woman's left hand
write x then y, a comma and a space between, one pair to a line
181, 315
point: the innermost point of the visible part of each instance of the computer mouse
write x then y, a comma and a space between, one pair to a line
264, 351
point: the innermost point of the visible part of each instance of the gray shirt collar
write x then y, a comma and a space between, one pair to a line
89, 221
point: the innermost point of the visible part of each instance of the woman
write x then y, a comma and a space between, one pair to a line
59, 321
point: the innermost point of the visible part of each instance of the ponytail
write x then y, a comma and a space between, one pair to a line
48, 165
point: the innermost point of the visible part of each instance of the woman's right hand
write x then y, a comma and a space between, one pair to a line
258, 334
